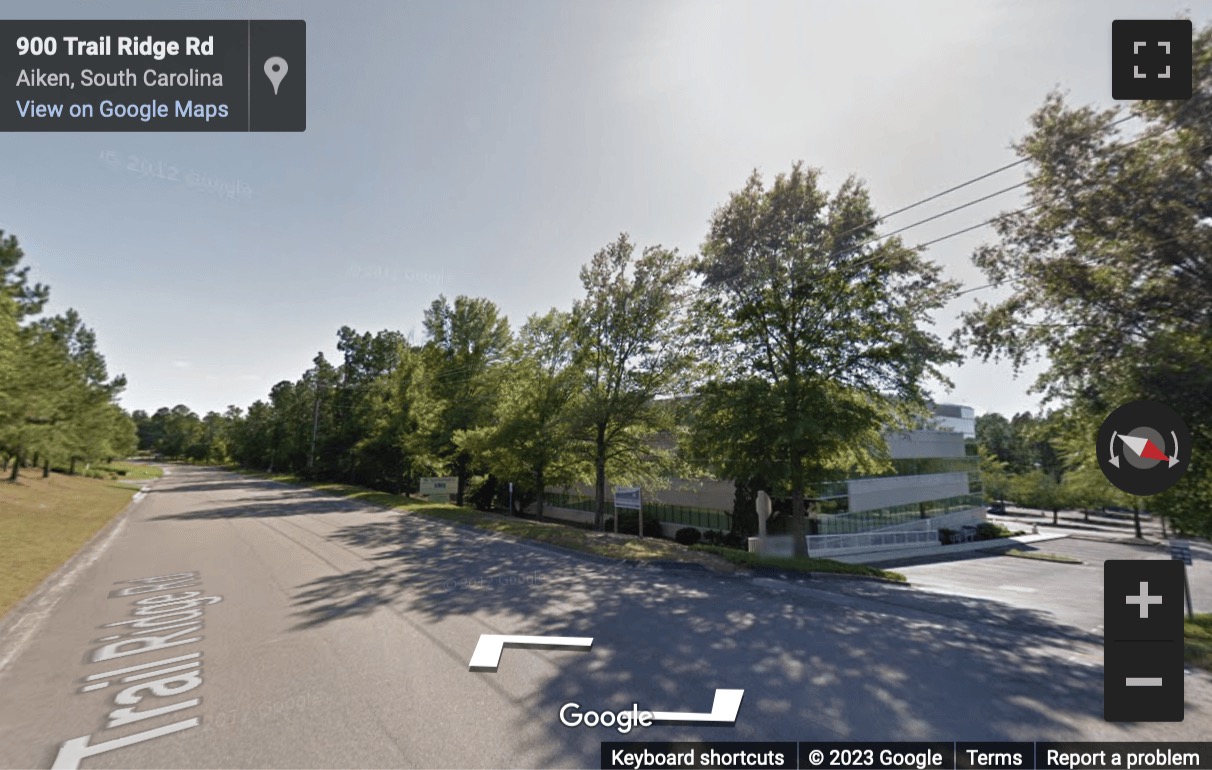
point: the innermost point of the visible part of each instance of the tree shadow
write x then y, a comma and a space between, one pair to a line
866, 662
279, 506
169, 486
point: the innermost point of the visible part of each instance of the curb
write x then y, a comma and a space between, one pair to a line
793, 576
1145, 542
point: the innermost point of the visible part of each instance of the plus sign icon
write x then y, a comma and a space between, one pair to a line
1151, 59
1143, 643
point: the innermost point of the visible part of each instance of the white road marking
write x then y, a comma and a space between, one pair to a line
158, 672
71, 752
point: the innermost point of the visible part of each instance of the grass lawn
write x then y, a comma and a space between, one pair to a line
1041, 556
746, 559
600, 543
1198, 635
130, 471
44, 521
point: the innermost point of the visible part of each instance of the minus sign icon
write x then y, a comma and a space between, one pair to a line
1143, 681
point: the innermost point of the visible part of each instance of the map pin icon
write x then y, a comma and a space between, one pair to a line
275, 70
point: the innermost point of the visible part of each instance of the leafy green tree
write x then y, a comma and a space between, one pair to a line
1083, 483
401, 418
995, 479
466, 342
1108, 267
530, 439
630, 349
23, 396
368, 360
1042, 490
999, 438
818, 333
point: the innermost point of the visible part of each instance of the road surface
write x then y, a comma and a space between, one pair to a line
312, 631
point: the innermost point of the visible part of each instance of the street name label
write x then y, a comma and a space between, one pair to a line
173, 75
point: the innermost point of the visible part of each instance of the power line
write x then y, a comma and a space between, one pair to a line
959, 186
873, 239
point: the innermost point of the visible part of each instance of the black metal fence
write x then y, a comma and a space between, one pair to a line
684, 515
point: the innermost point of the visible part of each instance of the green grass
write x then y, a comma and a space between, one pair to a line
746, 559
131, 471
44, 521
1041, 556
588, 541
567, 536
1198, 633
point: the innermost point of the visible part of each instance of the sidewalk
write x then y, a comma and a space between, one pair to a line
1117, 527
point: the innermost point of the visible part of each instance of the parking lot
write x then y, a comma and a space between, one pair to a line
1072, 593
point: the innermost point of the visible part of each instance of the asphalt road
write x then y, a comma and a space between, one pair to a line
341, 637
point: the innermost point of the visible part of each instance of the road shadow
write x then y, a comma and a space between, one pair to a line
168, 485
872, 662
278, 506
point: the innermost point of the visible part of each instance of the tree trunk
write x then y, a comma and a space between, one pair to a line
46, 468
1055, 515
599, 466
16, 465
798, 544
1136, 520
542, 495
1162, 521
461, 474
71, 471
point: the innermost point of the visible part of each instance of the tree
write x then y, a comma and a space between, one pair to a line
1038, 489
23, 394
368, 361
628, 335
530, 438
1110, 269
466, 342
998, 437
817, 331
402, 417
995, 480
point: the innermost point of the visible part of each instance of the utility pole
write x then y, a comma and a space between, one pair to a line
315, 424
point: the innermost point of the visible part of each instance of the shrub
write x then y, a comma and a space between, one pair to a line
688, 535
479, 492
725, 539
987, 530
629, 524
946, 536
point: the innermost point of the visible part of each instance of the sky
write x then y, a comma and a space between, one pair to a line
490, 148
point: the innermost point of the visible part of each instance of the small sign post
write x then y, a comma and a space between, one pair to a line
1180, 550
629, 498
438, 489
